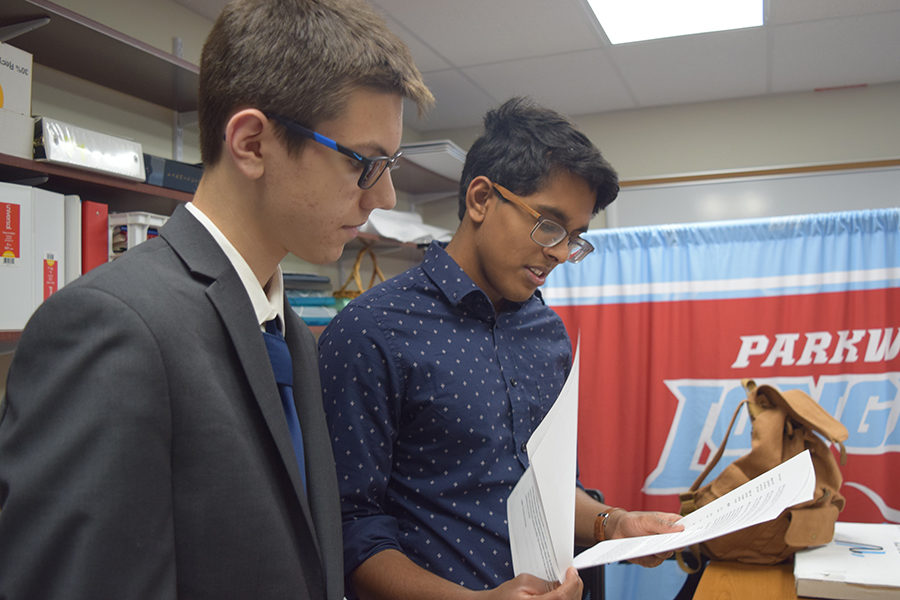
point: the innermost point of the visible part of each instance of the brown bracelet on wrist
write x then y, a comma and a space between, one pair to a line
600, 524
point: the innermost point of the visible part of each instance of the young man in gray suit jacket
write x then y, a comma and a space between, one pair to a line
145, 450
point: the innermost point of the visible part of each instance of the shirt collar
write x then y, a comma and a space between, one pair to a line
447, 275
267, 302
454, 283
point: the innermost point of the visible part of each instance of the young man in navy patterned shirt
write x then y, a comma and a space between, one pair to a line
434, 381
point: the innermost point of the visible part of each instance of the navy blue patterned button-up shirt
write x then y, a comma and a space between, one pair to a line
430, 398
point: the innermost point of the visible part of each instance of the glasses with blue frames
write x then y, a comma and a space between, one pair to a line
373, 167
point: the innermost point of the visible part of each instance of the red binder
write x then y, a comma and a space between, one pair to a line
94, 234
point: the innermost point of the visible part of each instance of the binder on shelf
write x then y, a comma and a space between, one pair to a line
94, 234
32, 245
17, 267
49, 235
73, 238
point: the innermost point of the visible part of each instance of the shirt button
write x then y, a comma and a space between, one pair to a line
512, 381
524, 448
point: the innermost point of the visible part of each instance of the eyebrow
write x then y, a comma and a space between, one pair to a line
376, 148
554, 213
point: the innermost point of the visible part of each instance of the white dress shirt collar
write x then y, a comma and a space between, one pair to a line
268, 302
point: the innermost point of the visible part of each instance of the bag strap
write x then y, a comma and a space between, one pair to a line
693, 551
711, 463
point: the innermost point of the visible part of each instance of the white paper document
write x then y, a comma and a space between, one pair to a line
403, 226
760, 499
861, 562
541, 507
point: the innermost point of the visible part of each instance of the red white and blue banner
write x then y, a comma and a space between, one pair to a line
672, 318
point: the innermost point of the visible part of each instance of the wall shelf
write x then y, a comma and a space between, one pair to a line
430, 170
120, 194
79, 46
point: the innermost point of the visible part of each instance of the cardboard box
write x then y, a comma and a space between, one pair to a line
172, 174
17, 137
32, 245
62, 143
15, 80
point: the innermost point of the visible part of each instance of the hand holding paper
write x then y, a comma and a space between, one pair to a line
541, 508
760, 499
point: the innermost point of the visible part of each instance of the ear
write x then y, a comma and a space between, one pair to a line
478, 197
245, 133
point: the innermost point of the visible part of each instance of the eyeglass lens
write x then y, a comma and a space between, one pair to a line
374, 169
578, 249
549, 233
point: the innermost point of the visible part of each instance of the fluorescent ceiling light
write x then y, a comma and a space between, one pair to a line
635, 20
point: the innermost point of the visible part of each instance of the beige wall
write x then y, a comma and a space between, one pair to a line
837, 126
154, 22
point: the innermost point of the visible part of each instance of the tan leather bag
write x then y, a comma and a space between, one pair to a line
784, 424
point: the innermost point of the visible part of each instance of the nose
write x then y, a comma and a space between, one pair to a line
382, 194
559, 252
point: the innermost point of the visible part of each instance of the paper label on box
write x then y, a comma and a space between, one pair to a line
10, 232
51, 276
15, 79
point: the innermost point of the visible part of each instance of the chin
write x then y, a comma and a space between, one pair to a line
520, 297
322, 256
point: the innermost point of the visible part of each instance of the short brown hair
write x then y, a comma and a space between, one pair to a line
300, 59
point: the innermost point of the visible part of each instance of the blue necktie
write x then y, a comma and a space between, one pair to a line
283, 367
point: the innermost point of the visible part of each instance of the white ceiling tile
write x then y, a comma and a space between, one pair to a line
426, 59
476, 53
796, 11
458, 103
472, 32
695, 68
577, 83
836, 52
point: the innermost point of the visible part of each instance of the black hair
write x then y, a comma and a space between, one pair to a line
525, 144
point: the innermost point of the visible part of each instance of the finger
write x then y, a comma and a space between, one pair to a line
572, 586
652, 560
647, 561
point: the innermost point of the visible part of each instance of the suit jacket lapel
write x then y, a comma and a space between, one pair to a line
199, 251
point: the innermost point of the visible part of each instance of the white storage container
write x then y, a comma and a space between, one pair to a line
128, 229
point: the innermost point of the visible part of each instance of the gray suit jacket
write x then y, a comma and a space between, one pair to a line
143, 448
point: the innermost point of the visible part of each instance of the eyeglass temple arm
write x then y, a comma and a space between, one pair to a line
516, 201
325, 141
